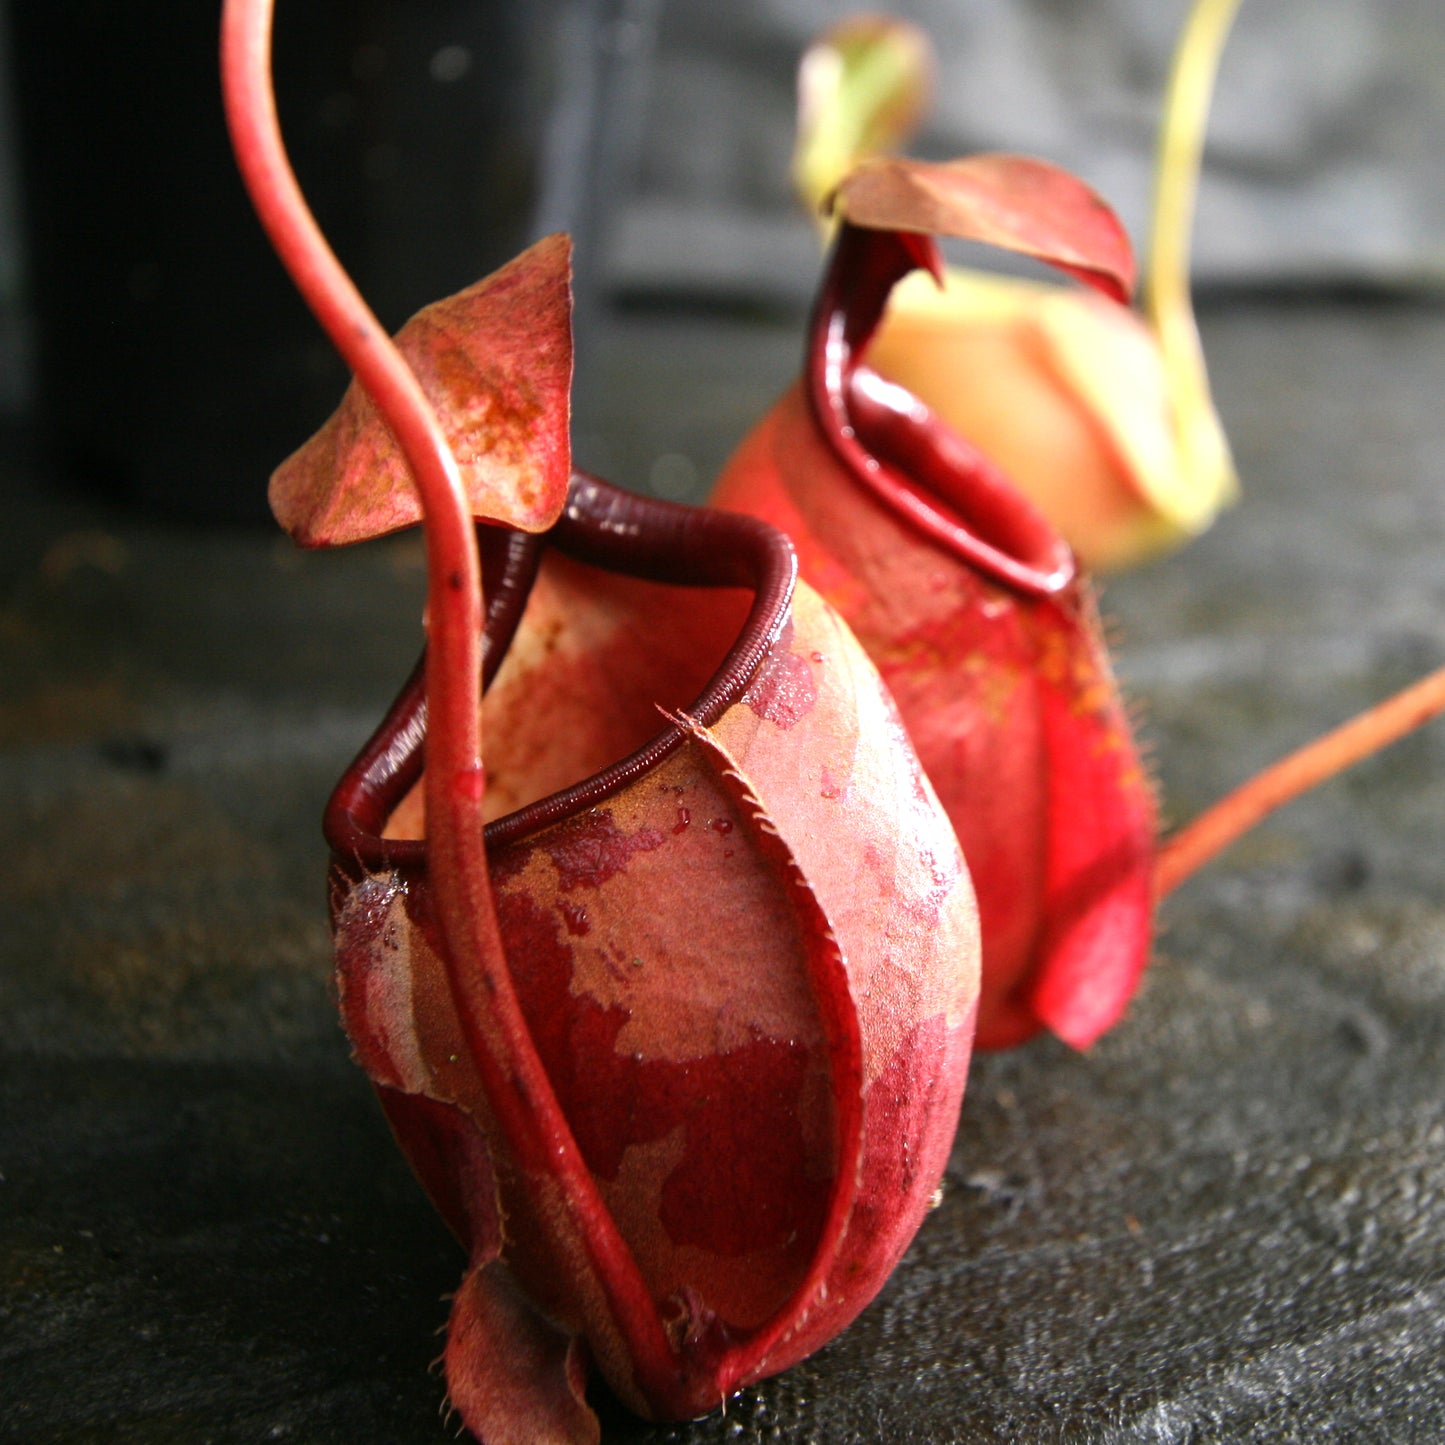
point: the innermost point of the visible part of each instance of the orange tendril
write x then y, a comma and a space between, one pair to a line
1236, 813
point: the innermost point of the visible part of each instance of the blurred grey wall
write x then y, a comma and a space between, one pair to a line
1323, 164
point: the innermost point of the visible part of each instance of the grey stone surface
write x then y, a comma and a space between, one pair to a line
1224, 1223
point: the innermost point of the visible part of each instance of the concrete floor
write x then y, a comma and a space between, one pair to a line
1224, 1223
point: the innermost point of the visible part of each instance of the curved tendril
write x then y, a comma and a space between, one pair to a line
493, 1027
1166, 298
1236, 813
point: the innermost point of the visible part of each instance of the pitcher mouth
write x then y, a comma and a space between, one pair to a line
613, 530
896, 448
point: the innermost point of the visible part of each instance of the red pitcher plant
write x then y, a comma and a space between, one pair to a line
977, 612
669, 992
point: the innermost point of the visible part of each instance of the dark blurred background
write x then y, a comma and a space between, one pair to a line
145, 326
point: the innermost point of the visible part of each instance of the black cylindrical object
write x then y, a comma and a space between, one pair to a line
176, 366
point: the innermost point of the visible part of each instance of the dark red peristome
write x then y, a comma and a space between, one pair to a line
969, 603
746, 956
